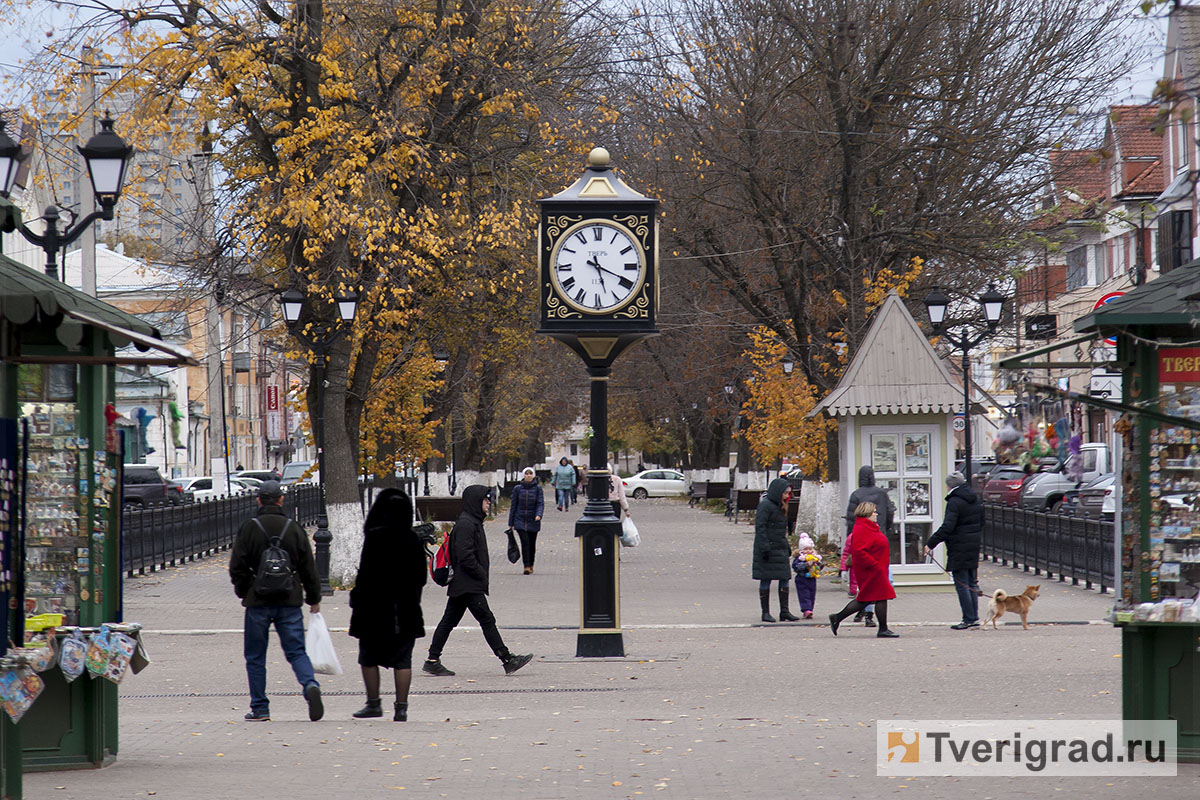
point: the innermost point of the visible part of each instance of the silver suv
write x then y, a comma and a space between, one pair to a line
1045, 490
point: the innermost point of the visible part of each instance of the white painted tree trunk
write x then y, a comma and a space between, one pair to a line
821, 511
346, 525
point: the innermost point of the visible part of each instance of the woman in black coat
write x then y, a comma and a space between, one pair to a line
772, 555
385, 602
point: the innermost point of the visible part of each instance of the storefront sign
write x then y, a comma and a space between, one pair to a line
272, 397
1179, 365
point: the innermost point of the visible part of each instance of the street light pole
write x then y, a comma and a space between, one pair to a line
292, 302
993, 306
107, 156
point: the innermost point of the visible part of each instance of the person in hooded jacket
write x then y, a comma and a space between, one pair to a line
385, 603
525, 515
772, 555
469, 585
867, 492
962, 531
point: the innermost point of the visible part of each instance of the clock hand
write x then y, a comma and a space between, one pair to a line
592, 262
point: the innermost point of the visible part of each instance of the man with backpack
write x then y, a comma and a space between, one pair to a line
274, 573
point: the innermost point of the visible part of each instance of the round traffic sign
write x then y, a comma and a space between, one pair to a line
959, 424
1101, 303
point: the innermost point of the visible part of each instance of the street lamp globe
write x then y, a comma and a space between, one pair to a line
936, 303
729, 388
993, 305
788, 365
291, 302
107, 157
347, 304
11, 156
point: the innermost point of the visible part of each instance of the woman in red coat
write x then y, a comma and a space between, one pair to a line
869, 555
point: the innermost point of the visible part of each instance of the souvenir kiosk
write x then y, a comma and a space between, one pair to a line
60, 512
1158, 541
895, 407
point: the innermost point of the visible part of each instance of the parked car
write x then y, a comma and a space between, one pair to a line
298, 472
655, 483
259, 474
1045, 491
248, 484
1004, 485
980, 467
144, 486
177, 493
1097, 500
202, 488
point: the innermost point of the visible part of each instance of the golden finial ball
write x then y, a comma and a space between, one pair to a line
598, 157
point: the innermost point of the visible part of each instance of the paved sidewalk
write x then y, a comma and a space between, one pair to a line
710, 703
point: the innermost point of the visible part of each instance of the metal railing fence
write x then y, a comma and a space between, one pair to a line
159, 536
1071, 548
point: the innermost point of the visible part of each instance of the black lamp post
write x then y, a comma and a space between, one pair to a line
936, 303
320, 339
107, 156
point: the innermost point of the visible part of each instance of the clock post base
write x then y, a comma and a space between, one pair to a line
599, 644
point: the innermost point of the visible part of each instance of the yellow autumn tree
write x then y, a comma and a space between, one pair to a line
777, 409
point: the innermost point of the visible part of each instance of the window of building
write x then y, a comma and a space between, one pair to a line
1076, 268
574, 449
1174, 239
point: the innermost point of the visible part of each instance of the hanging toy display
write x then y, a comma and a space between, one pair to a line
1007, 445
1062, 430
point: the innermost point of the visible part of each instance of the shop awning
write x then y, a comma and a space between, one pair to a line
1021, 360
1162, 303
30, 297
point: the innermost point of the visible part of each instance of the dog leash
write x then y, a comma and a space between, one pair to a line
976, 590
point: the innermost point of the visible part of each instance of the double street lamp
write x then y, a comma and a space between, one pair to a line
107, 156
319, 340
936, 303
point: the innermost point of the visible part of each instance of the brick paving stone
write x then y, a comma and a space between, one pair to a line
709, 703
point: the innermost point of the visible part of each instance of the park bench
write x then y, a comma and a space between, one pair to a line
438, 509
744, 500
704, 491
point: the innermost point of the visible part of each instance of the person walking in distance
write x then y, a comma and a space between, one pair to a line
869, 553
468, 587
772, 556
867, 492
275, 602
525, 515
962, 531
616, 490
564, 480
385, 603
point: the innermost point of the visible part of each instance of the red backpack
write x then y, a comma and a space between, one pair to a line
440, 568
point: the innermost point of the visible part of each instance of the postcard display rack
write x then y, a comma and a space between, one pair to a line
65, 540
1158, 610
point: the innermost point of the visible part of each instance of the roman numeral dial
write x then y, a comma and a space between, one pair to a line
597, 266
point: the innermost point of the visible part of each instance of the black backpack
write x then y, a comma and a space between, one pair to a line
275, 577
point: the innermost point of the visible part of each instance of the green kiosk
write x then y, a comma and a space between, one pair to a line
60, 511
1158, 609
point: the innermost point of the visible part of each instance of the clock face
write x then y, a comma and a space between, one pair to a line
597, 266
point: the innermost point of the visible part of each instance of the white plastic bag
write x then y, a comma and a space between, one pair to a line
629, 533
319, 645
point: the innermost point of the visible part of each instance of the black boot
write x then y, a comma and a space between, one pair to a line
784, 614
764, 599
868, 620
401, 714
859, 616
373, 708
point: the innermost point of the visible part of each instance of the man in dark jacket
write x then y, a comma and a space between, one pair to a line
868, 492
469, 586
283, 612
962, 531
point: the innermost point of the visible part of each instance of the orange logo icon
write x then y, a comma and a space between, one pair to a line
904, 746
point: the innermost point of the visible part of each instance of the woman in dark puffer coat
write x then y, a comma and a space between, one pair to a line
385, 602
772, 555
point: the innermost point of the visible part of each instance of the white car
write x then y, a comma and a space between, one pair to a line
201, 487
655, 483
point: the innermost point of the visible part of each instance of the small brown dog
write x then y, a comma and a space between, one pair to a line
1019, 604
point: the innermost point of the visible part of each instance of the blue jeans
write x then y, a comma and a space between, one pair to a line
289, 624
966, 584
563, 496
